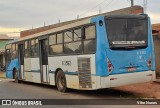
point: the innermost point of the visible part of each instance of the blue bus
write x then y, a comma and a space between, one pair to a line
92, 53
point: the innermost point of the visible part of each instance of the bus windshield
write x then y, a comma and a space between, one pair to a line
127, 31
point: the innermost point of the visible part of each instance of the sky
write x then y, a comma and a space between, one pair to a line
19, 15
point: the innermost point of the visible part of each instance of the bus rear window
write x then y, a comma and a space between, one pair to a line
127, 31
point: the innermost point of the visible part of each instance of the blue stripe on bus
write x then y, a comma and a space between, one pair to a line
71, 73
51, 71
33, 71
68, 73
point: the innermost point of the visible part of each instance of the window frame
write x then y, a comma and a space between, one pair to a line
14, 52
28, 48
78, 28
68, 30
82, 40
31, 48
49, 38
49, 45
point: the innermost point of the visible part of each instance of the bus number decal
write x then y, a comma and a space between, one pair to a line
141, 52
66, 63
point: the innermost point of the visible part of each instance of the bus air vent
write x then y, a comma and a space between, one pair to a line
84, 70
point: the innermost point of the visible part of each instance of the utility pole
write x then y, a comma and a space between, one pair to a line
77, 16
44, 24
132, 3
59, 20
100, 11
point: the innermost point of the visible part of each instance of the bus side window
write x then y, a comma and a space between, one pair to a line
90, 39
14, 51
77, 34
59, 38
68, 36
8, 53
73, 43
34, 48
52, 39
56, 44
90, 32
73, 47
27, 49
8, 56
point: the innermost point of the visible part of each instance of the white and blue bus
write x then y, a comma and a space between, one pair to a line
93, 53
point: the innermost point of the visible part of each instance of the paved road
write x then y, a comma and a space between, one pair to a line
11, 90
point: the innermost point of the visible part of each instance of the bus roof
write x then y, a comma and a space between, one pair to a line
74, 23
57, 29
12, 41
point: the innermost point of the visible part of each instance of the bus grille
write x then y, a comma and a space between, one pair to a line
84, 70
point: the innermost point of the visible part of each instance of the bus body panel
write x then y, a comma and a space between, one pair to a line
35, 65
13, 64
101, 63
32, 77
127, 79
151, 45
32, 70
122, 60
32, 64
69, 64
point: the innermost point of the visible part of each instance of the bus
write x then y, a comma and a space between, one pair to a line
88, 54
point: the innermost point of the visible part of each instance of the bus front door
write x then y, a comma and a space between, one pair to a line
21, 60
43, 60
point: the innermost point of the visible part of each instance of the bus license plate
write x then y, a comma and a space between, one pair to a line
131, 69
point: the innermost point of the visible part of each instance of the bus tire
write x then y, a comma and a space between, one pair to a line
15, 73
61, 81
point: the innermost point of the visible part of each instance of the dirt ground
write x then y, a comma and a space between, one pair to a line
144, 90
2, 74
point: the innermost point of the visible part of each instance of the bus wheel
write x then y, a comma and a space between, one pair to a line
15, 76
61, 81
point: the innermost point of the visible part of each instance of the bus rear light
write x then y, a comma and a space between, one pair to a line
110, 67
149, 75
149, 63
113, 78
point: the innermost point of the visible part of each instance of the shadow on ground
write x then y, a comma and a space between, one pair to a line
99, 94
